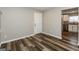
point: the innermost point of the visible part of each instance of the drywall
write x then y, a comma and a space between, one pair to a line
52, 21
16, 22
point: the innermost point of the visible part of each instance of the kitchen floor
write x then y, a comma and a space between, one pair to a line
71, 37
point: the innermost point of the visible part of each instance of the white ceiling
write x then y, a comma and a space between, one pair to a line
42, 8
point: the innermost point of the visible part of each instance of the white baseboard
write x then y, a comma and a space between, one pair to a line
53, 35
16, 39
28, 36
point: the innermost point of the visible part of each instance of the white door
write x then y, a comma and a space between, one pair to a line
37, 22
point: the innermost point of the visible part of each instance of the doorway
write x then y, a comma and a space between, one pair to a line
37, 22
70, 25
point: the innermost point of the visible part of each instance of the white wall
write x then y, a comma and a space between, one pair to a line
19, 22
16, 22
52, 22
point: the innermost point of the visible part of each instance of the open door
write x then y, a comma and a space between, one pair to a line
37, 22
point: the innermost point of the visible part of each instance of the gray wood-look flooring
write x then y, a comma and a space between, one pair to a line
71, 37
40, 42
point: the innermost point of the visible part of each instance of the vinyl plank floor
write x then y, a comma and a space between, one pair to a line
39, 42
